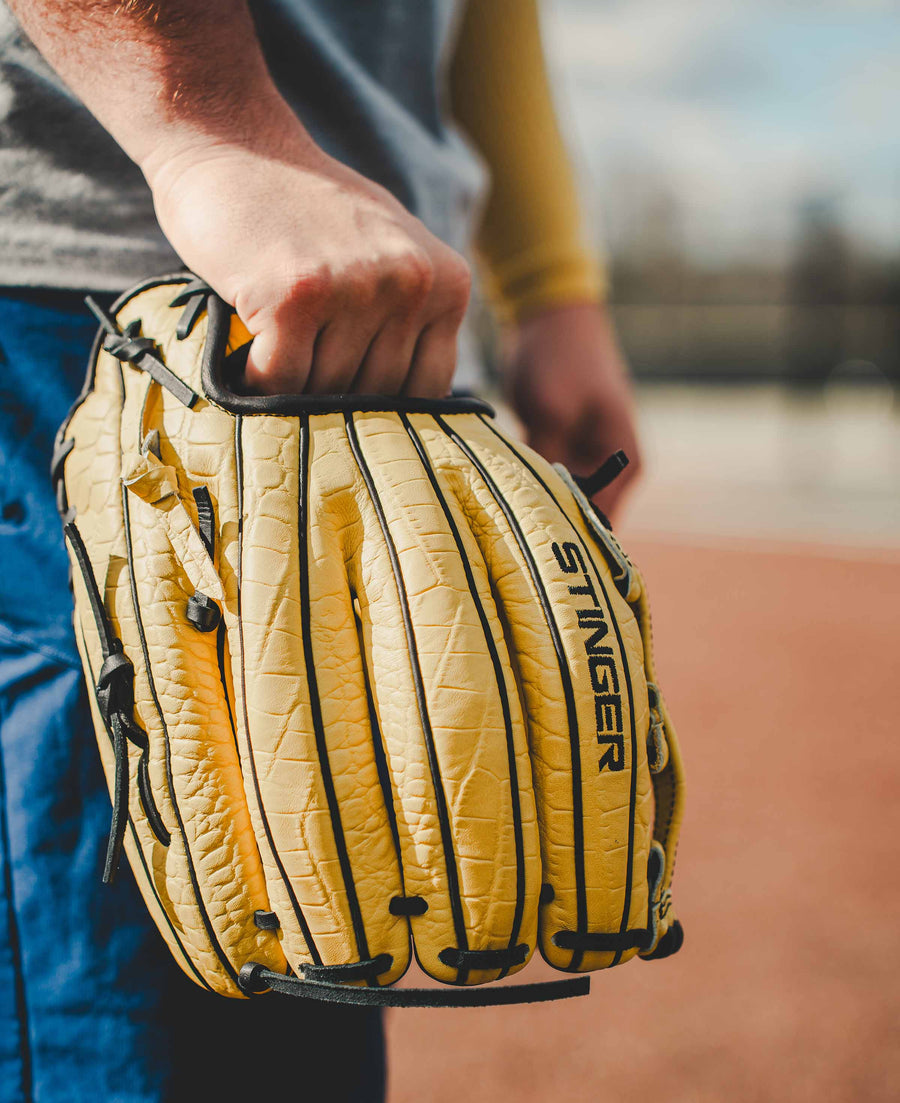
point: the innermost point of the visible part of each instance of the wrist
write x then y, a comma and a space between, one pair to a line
564, 311
564, 341
565, 324
264, 126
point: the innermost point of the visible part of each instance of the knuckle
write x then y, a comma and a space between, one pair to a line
304, 292
356, 294
456, 284
410, 278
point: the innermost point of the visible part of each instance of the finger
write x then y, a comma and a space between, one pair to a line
549, 444
387, 362
279, 361
601, 433
557, 449
611, 499
339, 350
433, 361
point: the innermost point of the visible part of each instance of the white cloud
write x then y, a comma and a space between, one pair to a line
632, 43
729, 108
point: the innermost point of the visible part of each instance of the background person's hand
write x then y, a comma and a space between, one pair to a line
342, 289
567, 381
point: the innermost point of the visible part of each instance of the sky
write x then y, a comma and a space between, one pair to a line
738, 111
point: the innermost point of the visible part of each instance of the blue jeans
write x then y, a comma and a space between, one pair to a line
92, 1007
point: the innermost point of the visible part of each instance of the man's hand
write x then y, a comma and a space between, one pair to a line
341, 287
567, 381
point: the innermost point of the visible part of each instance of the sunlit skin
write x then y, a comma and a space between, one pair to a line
342, 288
566, 379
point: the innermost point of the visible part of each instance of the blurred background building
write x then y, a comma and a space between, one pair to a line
744, 161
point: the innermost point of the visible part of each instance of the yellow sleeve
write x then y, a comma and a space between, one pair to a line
531, 238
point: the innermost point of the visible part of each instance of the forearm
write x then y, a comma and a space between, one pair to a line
161, 75
339, 285
531, 237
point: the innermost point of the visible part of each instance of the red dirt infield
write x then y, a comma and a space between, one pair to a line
780, 668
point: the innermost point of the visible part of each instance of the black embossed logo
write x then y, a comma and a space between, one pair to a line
600, 658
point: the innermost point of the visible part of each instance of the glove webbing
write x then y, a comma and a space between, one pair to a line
139, 351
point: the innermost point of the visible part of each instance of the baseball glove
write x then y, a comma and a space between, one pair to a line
364, 673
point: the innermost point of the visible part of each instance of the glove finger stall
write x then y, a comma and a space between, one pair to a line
585, 711
449, 713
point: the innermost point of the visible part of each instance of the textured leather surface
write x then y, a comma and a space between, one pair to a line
431, 681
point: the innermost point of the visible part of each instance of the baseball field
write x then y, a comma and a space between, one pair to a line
777, 652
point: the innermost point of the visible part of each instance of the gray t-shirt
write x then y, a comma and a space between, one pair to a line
365, 76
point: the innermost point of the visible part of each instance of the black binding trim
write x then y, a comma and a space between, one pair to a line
140, 351
221, 643
87, 386
601, 942
266, 921
214, 942
251, 758
485, 959
193, 298
114, 690
459, 925
670, 943
104, 629
118, 823
499, 678
255, 978
315, 703
220, 377
408, 905
606, 473
139, 851
369, 970
655, 869
626, 907
206, 525
61, 448
564, 675
656, 733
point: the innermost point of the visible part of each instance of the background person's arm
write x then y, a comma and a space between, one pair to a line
565, 375
341, 287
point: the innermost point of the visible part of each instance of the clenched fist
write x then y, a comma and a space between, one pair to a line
341, 287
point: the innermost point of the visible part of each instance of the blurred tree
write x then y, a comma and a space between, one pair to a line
817, 293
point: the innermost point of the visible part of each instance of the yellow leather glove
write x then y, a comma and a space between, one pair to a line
363, 673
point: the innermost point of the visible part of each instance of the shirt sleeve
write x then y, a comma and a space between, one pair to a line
531, 240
